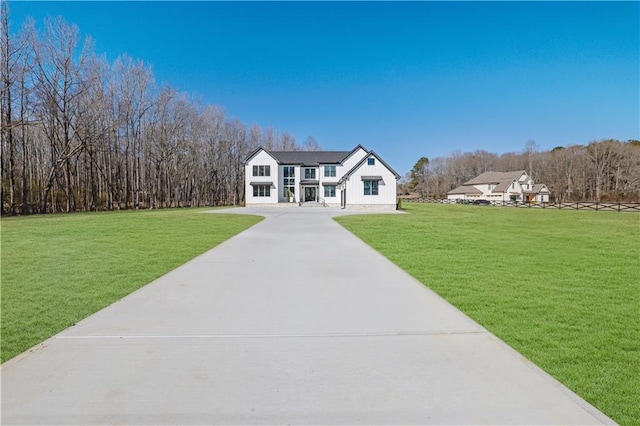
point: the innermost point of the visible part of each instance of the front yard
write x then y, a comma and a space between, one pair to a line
561, 287
59, 269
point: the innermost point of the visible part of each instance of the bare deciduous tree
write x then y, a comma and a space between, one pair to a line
607, 170
85, 134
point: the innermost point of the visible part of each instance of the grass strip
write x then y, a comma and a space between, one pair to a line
561, 287
59, 269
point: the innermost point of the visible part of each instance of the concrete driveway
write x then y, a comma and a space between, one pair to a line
294, 321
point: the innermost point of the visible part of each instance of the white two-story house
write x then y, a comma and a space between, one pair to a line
503, 187
355, 179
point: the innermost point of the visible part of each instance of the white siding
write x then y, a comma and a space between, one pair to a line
332, 180
386, 187
351, 161
262, 159
482, 188
386, 197
296, 190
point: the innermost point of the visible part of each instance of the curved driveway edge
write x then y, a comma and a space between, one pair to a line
293, 321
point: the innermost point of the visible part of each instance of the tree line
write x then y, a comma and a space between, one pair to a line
80, 133
605, 170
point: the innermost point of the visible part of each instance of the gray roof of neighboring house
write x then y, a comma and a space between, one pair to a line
503, 185
465, 190
537, 188
309, 158
495, 177
502, 180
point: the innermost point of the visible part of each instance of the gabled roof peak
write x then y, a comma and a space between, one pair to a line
357, 166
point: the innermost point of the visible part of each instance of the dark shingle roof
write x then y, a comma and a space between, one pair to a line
309, 158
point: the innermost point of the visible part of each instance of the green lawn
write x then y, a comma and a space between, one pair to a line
58, 269
561, 287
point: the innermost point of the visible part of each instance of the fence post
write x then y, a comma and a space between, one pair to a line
596, 206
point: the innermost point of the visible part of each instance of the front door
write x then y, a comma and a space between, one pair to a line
309, 193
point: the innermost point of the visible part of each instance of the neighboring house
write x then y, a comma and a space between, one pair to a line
355, 179
501, 186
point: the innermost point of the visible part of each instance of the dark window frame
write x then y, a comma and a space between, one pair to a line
289, 171
262, 170
330, 190
329, 171
310, 173
371, 187
262, 190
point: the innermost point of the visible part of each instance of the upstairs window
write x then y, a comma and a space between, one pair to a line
309, 173
288, 182
329, 171
371, 161
262, 170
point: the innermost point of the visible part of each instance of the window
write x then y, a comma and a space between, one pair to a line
371, 161
330, 191
489, 187
262, 190
370, 187
289, 191
262, 170
329, 171
289, 181
309, 173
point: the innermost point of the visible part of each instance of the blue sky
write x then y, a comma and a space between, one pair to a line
406, 79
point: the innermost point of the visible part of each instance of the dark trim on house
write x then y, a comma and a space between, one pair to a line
361, 162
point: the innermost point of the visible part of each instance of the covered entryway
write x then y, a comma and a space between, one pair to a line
309, 190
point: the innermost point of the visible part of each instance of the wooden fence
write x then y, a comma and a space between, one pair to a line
581, 205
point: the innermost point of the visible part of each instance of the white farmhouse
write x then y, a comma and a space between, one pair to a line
355, 179
502, 187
